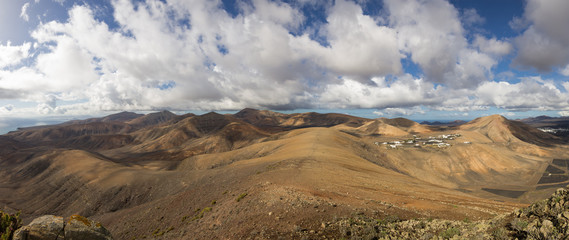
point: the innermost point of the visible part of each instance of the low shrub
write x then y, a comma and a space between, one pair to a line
241, 196
9, 223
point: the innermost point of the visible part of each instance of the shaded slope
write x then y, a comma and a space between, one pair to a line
152, 119
166, 174
312, 119
393, 127
381, 128
117, 117
70, 182
55, 134
274, 122
206, 133
500, 129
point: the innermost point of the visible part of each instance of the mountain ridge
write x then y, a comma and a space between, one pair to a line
286, 169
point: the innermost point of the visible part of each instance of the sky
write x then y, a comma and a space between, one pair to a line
420, 59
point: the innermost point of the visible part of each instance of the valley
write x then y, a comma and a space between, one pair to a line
263, 174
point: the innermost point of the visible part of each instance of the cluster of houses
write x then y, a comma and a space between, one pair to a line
432, 141
553, 130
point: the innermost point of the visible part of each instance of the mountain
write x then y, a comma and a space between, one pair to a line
500, 129
152, 119
55, 135
275, 122
392, 127
262, 174
558, 126
117, 117
438, 123
537, 119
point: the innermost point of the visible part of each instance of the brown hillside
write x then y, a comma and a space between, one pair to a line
312, 119
152, 119
54, 134
117, 117
260, 174
500, 129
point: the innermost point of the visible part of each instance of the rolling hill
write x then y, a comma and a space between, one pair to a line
262, 174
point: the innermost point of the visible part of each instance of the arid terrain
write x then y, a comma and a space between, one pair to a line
262, 174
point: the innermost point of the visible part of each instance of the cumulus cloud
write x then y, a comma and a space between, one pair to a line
194, 55
565, 71
531, 93
399, 112
359, 47
470, 17
402, 92
563, 113
13, 55
492, 46
544, 44
432, 34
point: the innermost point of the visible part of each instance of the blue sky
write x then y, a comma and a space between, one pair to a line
424, 60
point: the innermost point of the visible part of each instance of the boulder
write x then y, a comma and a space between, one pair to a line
81, 228
44, 227
51, 227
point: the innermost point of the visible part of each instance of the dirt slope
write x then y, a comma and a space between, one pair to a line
260, 174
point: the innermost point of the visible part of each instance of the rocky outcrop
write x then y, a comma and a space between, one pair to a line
51, 227
546, 219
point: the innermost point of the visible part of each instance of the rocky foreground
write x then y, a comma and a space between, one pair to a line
546, 219
51, 227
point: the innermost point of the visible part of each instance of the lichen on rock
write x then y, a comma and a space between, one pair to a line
51, 227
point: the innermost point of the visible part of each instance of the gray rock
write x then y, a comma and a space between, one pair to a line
81, 228
55, 228
44, 227
546, 228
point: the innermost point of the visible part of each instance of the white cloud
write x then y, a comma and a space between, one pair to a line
432, 34
278, 12
531, 93
24, 12
13, 55
519, 23
565, 71
563, 113
492, 46
378, 113
67, 67
545, 43
218, 61
6, 108
359, 48
400, 112
402, 92
508, 114
470, 17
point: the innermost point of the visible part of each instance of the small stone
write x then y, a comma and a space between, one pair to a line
312, 232
324, 225
546, 228
270, 213
566, 214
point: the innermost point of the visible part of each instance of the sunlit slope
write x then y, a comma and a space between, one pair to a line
295, 175
303, 168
